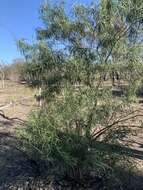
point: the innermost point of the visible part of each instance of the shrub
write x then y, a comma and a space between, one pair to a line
58, 140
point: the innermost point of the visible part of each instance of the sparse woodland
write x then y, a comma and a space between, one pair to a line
14, 71
88, 67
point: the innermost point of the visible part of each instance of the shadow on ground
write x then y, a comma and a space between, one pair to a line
15, 169
13, 164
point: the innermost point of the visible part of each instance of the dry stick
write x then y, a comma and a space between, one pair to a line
113, 113
127, 115
8, 105
102, 131
130, 113
11, 119
116, 122
96, 130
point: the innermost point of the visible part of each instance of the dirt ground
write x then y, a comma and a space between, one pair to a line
17, 100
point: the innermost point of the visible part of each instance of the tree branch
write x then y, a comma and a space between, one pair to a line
103, 130
11, 119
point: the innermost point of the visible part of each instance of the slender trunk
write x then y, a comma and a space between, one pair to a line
40, 93
3, 84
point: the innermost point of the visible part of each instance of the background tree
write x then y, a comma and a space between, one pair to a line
2, 73
14, 71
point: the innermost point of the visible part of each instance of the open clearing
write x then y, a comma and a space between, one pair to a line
16, 100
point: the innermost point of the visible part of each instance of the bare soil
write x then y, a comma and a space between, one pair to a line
16, 172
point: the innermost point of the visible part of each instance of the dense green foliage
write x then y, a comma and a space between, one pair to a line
73, 55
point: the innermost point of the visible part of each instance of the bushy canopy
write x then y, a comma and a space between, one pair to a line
70, 60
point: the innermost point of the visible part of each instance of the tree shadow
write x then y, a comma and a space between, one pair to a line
130, 179
140, 101
139, 92
13, 164
6, 123
15, 169
131, 152
117, 92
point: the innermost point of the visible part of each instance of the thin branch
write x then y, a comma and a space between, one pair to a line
103, 130
11, 119
120, 36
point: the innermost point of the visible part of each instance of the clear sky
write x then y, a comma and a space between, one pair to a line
18, 19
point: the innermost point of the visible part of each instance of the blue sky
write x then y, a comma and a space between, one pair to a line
18, 19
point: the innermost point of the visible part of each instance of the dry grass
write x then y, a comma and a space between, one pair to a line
16, 100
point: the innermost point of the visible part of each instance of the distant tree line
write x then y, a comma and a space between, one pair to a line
14, 71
